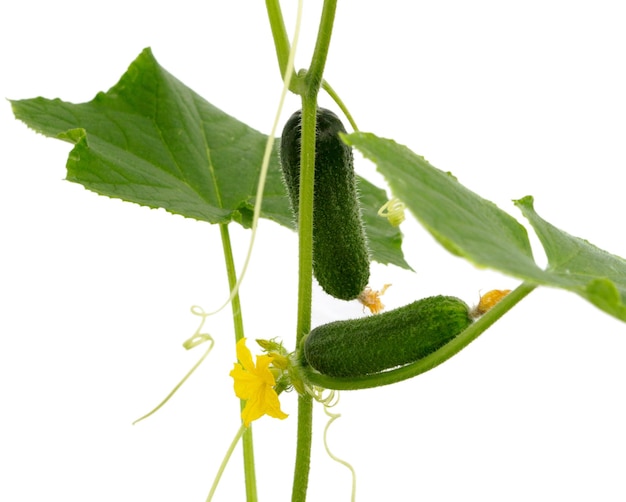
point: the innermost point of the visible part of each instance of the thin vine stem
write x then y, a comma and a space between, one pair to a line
247, 441
222, 468
233, 281
335, 97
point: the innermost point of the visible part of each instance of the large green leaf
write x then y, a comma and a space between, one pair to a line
579, 266
463, 222
472, 227
153, 141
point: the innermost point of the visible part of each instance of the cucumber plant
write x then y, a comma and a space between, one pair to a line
138, 144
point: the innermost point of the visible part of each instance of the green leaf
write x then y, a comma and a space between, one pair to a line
463, 222
153, 141
579, 266
476, 229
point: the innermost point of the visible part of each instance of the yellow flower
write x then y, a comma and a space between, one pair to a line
255, 385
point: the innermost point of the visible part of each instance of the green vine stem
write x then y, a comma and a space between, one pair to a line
318, 61
313, 79
428, 362
281, 44
305, 284
248, 449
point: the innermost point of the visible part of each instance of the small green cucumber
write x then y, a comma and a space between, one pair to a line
359, 347
341, 262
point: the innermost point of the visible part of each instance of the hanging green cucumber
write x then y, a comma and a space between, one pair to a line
368, 345
340, 255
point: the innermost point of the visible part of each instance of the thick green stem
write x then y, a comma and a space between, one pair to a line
303, 451
305, 284
428, 362
248, 449
305, 221
305, 237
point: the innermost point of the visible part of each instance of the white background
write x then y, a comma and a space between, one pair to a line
515, 98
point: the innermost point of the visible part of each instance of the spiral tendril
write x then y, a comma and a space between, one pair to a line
196, 339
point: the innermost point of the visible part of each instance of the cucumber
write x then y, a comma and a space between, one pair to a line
358, 347
341, 261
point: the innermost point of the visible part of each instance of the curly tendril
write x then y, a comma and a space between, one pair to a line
393, 210
329, 400
195, 340
333, 417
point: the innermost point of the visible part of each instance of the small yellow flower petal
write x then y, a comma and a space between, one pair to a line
262, 370
244, 382
255, 384
243, 354
264, 402
272, 404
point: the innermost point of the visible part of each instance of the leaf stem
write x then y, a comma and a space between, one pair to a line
331, 92
281, 41
428, 362
305, 237
247, 442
